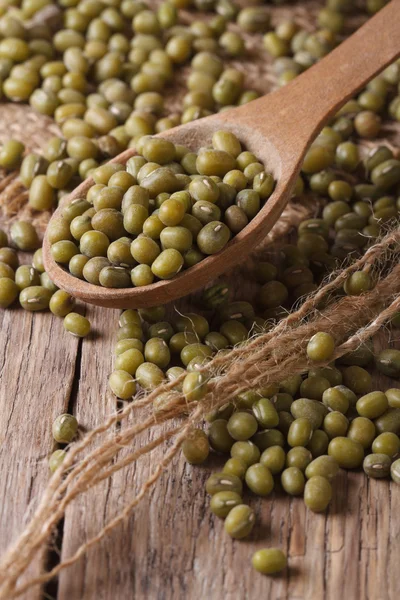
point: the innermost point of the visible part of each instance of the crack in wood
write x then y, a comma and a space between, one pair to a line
53, 557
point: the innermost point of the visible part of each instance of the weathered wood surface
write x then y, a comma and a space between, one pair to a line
36, 376
171, 547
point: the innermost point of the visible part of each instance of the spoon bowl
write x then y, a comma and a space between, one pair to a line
199, 133
278, 129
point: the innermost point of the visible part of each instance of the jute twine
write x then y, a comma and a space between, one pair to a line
269, 356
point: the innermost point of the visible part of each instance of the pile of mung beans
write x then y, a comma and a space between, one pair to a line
103, 76
166, 209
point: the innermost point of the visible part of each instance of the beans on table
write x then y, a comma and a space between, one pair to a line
170, 207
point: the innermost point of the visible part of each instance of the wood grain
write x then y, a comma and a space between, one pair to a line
172, 548
36, 377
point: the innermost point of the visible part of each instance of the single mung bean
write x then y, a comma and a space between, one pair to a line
259, 479
389, 421
196, 448
372, 405
393, 396
34, 298
293, 481
362, 430
221, 482
335, 424
240, 521
24, 236
7, 271
317, 493
61, 303
299, 457
265, 413
388, 362
149, 375
319, 443
8, 292
65, 428
386, 443
269, 561
268, 437
122, 384
194, 386
129, 360
377, 465
77, 325
274, 459
314, 387
242, 426
56, 459
219, 436
25, 276
63, 251
235, 466
334, 399
357, 379
223, 502
312, 410
196, 350
395, 471
245, 451
348, 453
11, 154
320, 347
324, 465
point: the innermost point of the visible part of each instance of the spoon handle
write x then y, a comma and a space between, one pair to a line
311, 99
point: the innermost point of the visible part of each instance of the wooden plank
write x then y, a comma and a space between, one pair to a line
37, 364
93, 403
176, 549
173, 548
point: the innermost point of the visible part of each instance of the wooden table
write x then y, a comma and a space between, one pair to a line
171, 547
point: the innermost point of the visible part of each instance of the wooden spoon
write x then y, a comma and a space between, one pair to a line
279, 129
